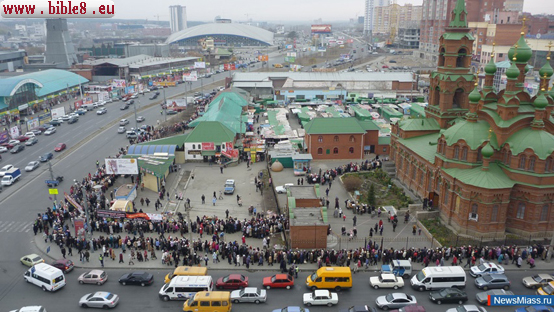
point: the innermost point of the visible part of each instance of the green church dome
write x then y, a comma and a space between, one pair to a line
513, 71
540, 101
474, 96
490, 68
487, 151
524, 52
546, 69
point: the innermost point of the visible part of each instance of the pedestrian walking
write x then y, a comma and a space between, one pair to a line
131, 256
63, 252
214, 199
101, 258
354, 220
327, 192
121, 257
296, 269
221, 169
203, 199
142, 201
147, 201
227, 214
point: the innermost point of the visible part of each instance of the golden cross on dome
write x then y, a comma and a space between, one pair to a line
515, 53
476, 78
549, 48
492, 53
523, 25
490, 133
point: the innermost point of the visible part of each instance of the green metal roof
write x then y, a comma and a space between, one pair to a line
540, 141
226, 108
424, 145
419, 124
460, 15
362, 114
473, 133
157, 170
384, 140
178, 140
210, 131
369, 125
417, 109
334, 125
457, 36
494, 178
333, 111
47, 81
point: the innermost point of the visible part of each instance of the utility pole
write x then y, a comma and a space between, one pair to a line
165, 104
88, 235
52, 178
135, 107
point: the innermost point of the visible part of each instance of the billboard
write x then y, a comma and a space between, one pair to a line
33, 123
321, 29
4, 136
58, 112
121, 166
177, 104
118, 83
79, 227
199, 64
208, 146
44, 118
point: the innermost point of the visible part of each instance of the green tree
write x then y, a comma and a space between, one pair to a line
292, 35
371, 195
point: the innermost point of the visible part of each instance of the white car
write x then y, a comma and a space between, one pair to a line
74, 115
3, 149
395, 301
140, 119
13, 142
249, 294
467, 308
320, 297
32, 166
30, 309
282, 189
4, 169
386, 281
123, 122
101, 111
100, 299
30, 134
121, 130
486, 268
50, 131
65, 117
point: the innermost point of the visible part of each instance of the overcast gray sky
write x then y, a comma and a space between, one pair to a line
270, 10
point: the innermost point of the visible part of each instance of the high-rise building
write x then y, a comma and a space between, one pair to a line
369, 17
178, 18
393, 17
59, 47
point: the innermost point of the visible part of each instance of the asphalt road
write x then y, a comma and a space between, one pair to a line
133, 298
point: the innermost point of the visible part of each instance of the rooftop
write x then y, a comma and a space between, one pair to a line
303, 192
324, 76
307, 216
138, 61
424, 145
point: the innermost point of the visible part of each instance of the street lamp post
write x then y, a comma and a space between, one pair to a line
165, 104
88, 235
135, 107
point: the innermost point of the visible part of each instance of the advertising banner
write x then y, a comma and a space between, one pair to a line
14, 132
33, 123
177, 104
130, 89
119, 83
350, 41
111, 214
229, 145
73, 202
4, 136
208, 146
58, 112
321, 29
199, 64
233, 66
78, 104
79, 227
44, 118
121, 166
226, 66
190, 76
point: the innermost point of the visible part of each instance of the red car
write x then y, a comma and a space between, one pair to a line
63, 264
22, 138
60, 147
279, 281
385, 66
232, 281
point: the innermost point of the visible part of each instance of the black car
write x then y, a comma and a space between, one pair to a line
123, 107
153, 97
17, 148
362, 308
72, 120
46, 157
55, 123
137, 278
448, 295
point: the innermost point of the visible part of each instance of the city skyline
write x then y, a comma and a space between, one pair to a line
282, 11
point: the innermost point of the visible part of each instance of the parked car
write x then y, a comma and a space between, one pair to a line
486, 268
18, 148
492, 281
249, 294
99, 299
39, 130
32, 141
386, 281
32, 166
65, 117
279, 281
467, 308
60, 147
3, 149
537, 280
229, 187
46, 157
97, 277
483, 297
101, 111
232, 281
50, 131
395, 300
30, 260
448, 295
65, 265
282, 189
22, 138
320, 297
136, 278
11, 143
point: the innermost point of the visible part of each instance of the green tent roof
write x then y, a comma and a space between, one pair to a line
419, 124
159, 169
334, 125
473, 133
384, 140
540, 141
226, 108
178, 140
210, 131
369, 125
424, 145
494, 178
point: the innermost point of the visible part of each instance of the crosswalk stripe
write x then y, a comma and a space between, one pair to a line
6, 226
15, 226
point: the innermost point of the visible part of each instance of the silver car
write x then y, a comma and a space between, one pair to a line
483, 297
32, 166
32, 141
395, 301
249, 294
100, 299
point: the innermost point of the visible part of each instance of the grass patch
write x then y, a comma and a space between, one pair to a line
386, 193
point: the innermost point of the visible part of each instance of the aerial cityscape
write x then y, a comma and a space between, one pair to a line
358, 155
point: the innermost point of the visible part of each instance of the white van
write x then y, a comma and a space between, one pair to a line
131, 135
45, 276
439, 277
88, 107
185, 287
